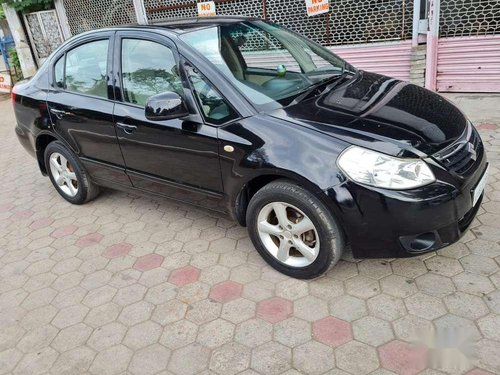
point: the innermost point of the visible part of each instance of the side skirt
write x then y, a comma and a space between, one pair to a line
118, 178
147, 193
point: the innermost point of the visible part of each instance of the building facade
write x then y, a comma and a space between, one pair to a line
446, 45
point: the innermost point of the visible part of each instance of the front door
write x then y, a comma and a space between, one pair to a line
177, 158
81, 108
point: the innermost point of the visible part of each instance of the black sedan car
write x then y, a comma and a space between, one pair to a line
247, 118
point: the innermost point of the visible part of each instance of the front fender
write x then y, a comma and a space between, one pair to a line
267, 146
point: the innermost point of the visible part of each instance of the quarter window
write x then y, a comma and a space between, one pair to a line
214, 107
86, 68
59, 73
148, 69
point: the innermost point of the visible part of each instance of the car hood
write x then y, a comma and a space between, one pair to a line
381, 113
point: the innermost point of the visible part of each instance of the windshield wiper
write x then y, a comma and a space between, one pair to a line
330, 83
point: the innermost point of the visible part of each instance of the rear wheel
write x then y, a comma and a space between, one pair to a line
68, 175
293, 231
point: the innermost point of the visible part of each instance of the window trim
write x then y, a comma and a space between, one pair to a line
79, 43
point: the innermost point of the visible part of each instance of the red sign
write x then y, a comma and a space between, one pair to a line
206, 9
5, 82
315, 7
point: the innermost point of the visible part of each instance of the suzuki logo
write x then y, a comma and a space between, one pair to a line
472, 151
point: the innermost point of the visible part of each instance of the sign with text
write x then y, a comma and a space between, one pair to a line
315, 7
206, 9
5, 82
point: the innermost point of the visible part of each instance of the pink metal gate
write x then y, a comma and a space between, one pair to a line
391, 59
469, 64
463, 46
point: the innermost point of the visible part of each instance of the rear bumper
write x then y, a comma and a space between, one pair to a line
388, 224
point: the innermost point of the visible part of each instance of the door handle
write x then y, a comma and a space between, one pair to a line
128, 129
59, 113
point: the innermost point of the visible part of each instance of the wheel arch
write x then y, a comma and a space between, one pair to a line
41, 143
248, 189
253, 185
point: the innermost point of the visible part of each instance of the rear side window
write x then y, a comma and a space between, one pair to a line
85, 69
148, 68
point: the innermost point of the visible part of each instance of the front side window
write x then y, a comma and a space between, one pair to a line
148, 69
86, 68
215, 108
269, 64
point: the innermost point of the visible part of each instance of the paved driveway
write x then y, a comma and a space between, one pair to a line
129, 284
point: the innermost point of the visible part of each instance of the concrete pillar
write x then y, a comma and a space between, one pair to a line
63, 19
432, 45
140, 12
28, 66
416, 23
417, 67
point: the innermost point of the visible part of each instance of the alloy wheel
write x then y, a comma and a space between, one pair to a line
63, 174
288, 234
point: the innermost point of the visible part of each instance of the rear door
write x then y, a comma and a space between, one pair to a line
80, 104
177, 158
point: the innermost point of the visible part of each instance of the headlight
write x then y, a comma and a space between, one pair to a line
380, 170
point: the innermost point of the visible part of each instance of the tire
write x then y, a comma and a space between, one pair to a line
84, 190
264, 210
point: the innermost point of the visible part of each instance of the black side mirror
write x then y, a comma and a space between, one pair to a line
165, 106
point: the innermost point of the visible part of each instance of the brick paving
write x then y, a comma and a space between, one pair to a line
136, 285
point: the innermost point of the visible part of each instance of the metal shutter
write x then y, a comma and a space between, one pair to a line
469, 64
391, 59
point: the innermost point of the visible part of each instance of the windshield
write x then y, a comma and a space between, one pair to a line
269, 64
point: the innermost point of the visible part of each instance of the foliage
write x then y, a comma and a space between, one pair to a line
2, 15
29, 5
15, 64
140, 84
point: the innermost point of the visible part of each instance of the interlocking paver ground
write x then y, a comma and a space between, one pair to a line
141, 285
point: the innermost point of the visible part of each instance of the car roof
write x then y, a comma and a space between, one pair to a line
180, 25
202, 21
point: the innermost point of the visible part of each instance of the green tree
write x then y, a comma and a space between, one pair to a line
29, 5
15, 64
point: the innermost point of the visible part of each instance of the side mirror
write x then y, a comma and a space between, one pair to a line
165, 106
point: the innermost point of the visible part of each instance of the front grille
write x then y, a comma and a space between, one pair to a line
461, 156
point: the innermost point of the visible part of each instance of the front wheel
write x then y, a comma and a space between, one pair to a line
68, 175
293, 230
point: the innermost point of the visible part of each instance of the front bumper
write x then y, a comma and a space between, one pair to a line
381, 223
